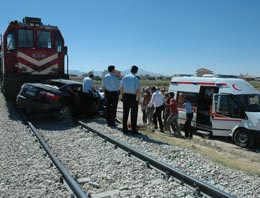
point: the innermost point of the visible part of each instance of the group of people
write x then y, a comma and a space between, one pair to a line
154, 104
129, 91
157, 106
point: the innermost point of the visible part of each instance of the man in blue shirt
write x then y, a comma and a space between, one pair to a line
189, 115
111, 85
88, 89
130, 90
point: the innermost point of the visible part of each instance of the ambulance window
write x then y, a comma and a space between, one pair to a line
25, 38
11, 40
193, 97
44, 39
250, 102
222, 105
227, 106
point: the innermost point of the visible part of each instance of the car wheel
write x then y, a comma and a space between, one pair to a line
243, 138
63, 113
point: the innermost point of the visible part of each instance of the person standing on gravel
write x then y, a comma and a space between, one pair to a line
130, 90
88, 90
167, 108
111, 85
158, 101
172, 119
189, 115
147, 115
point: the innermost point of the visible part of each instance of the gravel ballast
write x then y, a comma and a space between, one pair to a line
89, 163
235, 182
101, 170
108, 171
24, 170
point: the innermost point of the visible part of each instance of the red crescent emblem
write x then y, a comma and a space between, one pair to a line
234, 87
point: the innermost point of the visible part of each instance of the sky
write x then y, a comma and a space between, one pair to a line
160, 36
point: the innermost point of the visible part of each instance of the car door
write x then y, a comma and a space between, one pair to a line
226, 114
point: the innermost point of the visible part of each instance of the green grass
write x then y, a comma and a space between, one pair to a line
159, 82
256, 84
146, 83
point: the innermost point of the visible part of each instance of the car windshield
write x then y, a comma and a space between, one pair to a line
250, 102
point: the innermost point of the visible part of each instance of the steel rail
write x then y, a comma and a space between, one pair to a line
198, 185
74, 186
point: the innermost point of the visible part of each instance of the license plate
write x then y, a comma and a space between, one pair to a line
30, 93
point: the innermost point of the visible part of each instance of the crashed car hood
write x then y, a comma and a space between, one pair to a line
51, 88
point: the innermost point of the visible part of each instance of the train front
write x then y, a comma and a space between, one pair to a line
32, 52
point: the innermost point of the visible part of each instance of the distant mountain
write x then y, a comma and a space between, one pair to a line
80, 73
140, 72
125, 72
76, 72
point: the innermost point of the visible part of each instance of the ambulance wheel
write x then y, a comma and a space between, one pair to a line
243, 138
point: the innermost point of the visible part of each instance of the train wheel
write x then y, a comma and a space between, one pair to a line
243, 138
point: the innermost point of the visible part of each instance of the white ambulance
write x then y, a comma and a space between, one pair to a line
222, 107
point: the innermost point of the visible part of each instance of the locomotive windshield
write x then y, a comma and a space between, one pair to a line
250, 102
25, 38
44, 39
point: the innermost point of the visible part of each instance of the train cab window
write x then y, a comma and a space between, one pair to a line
44, 39
58, 42
11, 40
193, 98
25, 38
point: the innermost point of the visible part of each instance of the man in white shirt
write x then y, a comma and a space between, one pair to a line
158, 101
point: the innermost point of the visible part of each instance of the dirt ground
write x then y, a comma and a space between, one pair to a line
220, 150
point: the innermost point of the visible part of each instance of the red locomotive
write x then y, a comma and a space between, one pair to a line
30, 52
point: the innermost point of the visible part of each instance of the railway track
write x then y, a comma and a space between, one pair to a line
199, 187
77, 186
69, 180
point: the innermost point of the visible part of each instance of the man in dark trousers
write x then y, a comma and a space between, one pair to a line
158, 101
189, 115
130, 90
111, 85
88, 90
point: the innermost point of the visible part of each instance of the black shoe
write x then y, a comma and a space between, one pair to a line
126, 131
135, 132
162, 130
112, 125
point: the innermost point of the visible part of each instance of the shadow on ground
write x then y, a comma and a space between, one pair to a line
141, 136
